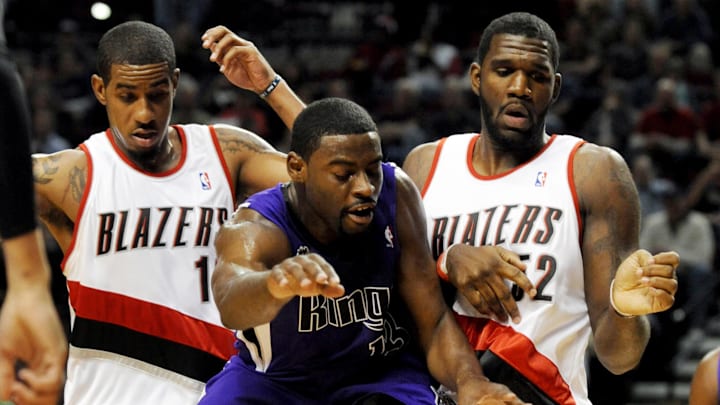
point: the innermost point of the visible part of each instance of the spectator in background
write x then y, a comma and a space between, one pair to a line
399, 125
709, 141
377, 61
685, 22
647, 182
612, 123
580, 58
455, 112
699, 74
659, 54
626, 59
667, 131
645, 11
188, 103
243, 111
47, 139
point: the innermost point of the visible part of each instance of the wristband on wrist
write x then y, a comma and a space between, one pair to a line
612, 303
441, 265
272, 86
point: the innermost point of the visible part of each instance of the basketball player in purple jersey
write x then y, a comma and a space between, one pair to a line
330, 283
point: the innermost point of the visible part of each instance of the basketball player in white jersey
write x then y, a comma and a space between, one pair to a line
557, 216
135, 209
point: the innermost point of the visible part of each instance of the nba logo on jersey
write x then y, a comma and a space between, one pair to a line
389, 237
205, 181
540, 179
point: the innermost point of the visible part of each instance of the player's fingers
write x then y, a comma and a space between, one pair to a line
507, 302
667, 285
321, 271
212, 35
221, 47
494, 303
47, 381
511, 257
517, 275
658, 270
515, 271
24, 395
333, 290
7, 375
661, 301
669, 258
228, 63
482, 297
304, 270
296, 274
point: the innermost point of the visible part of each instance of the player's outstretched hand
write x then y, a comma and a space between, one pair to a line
304, 275
239, 59
645, 283
479, 274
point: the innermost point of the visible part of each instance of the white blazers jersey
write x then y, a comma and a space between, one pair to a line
145, 329
533, 211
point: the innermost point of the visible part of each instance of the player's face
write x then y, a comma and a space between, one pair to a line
138, 101
516, 85
343, 181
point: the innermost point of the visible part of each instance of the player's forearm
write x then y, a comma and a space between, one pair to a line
286, 103
619, 342
450, 358
243, 298
25, 260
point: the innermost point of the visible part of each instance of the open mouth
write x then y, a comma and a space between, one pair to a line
145, 138
361, 214
516, 116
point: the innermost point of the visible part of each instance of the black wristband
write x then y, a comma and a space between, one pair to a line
272, 86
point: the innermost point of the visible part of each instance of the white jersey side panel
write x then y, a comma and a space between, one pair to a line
140, 266
532, 211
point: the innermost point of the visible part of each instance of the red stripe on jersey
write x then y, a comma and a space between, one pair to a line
150, 318
519, 352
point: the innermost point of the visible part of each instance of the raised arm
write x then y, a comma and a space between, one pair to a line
641, 283
450, 358
256, 273
244, 66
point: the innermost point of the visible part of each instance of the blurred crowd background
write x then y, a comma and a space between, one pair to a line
640, 76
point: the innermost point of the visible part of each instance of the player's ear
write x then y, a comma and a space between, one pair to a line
556, 87
175, 78
98, 87
296, 167
474, 74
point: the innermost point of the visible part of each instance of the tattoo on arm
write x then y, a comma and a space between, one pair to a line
78, 179
620, 206
235, 144
44, 169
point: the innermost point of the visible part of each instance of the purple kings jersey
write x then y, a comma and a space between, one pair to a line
316, 343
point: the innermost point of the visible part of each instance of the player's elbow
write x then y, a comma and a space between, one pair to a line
620, 363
